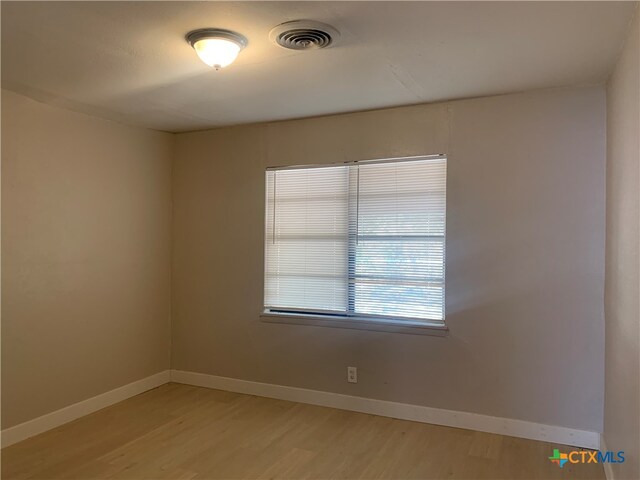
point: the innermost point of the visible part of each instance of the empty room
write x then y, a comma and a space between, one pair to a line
320, 240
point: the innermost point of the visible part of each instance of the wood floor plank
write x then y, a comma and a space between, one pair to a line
182, 432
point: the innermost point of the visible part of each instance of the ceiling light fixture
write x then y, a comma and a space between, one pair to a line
216, 47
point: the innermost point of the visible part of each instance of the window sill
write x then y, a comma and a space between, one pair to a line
381, 325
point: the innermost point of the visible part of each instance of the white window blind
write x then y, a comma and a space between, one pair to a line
362, 240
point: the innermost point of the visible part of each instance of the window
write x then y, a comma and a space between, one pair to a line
360, 241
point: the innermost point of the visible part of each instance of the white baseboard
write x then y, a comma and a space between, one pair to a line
608, 469
67, 414
416, 413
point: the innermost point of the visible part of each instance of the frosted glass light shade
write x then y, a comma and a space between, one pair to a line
216, 47
217, 52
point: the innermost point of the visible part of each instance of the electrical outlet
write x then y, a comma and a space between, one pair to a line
352, 374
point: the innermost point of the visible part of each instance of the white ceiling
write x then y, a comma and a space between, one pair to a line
128, 61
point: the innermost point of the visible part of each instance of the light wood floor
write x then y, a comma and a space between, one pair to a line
183, 432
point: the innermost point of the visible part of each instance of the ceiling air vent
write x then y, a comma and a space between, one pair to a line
304, 35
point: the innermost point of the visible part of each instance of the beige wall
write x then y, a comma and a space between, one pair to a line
86, 207
622, 312
525, 258
86, 213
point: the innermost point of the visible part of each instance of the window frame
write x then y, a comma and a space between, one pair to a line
351, 319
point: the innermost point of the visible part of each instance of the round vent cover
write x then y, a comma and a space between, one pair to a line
304, 35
